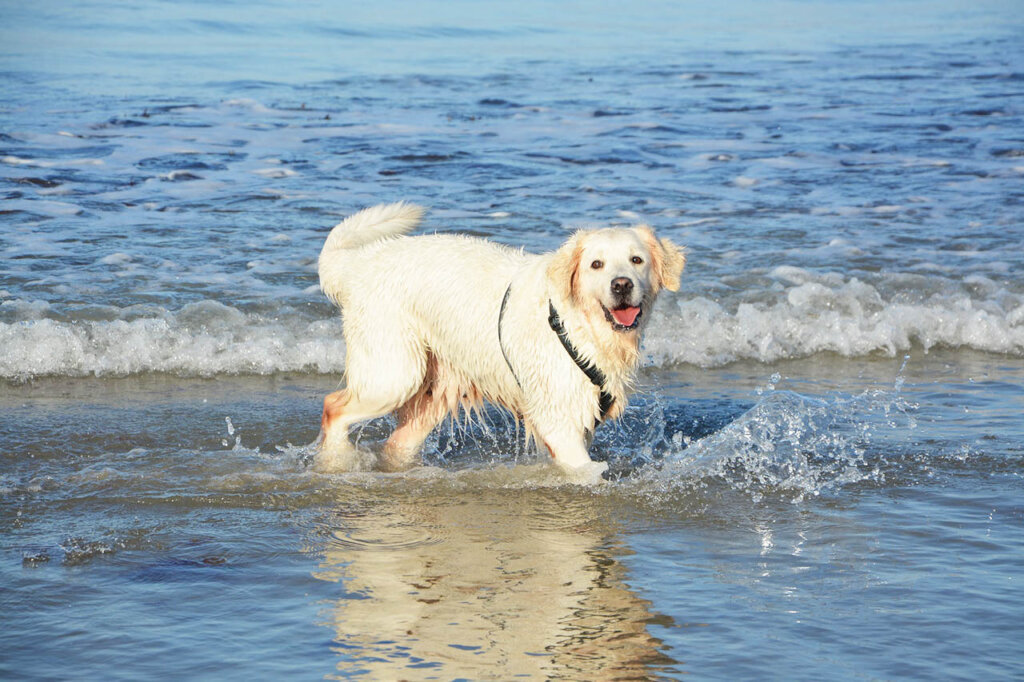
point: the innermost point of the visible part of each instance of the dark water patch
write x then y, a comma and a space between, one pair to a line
725, 73
183, 124
120, 123
178, 569
235, 143
246, 198
24, 216
642, 130
1012, 76
603, 113
461, 116
459, 32
209, 26
190, 161
429, 158
680, 73
180, 176
473, 172
243, 84
337, 31
263, 127
984, 113
743, 108
155, 109
37, 182
1009, 153
498, 102
342, 144
378, 33
103, 206
898, 77
591, 160
60, 153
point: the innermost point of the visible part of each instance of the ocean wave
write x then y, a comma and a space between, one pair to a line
200, 339
849, 318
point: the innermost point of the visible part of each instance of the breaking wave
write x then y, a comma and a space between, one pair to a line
847, 317
200, 339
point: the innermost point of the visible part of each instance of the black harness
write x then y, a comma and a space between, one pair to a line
501, 344
593, 372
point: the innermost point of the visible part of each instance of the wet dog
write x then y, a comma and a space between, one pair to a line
438, 323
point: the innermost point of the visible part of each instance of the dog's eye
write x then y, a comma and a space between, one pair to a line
597, 265
637, 260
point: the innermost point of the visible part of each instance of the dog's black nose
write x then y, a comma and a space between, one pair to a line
622, 286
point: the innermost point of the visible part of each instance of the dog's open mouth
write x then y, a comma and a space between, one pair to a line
623, 318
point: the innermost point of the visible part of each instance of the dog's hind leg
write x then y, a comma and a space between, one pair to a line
416, 419
381, 378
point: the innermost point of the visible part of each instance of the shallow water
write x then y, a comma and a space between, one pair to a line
820, 476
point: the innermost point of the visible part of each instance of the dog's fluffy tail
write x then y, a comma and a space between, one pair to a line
372, 224
365, 227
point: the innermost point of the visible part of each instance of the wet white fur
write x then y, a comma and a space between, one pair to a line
422, 313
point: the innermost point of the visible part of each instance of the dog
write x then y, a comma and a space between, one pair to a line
435, 324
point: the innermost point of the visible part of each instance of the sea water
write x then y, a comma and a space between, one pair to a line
820, 473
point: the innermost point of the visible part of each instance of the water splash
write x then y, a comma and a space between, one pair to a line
788, 445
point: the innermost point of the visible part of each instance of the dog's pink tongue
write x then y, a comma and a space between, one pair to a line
626, 316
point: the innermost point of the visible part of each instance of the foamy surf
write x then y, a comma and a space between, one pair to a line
848, 317
202, 339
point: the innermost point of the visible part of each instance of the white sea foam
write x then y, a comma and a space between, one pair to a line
808, 314
201, 339
275, 173
848, 317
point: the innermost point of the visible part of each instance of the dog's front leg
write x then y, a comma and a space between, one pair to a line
569, 450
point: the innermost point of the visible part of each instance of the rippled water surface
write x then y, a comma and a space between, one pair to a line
820, 476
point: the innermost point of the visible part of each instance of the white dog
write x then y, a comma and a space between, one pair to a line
433, 323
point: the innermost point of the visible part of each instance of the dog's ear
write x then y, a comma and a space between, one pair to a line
667, 259
564, 269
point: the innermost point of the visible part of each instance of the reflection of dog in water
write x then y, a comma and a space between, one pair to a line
481, 589
437, 322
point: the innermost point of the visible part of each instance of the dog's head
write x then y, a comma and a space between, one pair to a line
616, 272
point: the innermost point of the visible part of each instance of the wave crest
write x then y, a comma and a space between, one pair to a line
201, 339
814, 314
850, 318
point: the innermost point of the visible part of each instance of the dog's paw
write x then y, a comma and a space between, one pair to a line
335, 460
588, 473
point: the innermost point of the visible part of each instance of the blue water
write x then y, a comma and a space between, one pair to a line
820, 476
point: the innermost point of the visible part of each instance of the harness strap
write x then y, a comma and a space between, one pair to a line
593, 372
501, 344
